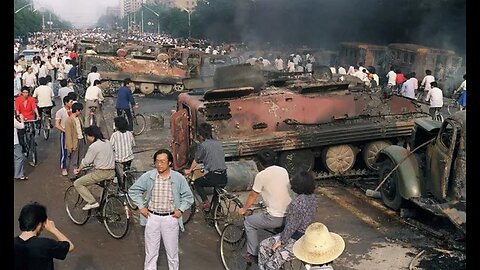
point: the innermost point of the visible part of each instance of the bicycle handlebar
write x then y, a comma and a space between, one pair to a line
31, 121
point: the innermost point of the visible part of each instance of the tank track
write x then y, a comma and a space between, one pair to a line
344, 177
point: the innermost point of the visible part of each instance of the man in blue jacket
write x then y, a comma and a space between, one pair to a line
162, 195
124, 100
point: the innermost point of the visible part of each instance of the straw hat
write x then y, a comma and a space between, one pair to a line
318, 245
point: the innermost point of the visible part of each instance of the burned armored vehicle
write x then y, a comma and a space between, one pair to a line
434, 176
320, 125
150, 73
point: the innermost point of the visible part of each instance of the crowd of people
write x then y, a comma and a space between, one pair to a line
163, 194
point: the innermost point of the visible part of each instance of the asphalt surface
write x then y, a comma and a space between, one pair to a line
375, 237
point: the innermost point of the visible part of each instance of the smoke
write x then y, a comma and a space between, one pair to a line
325, 23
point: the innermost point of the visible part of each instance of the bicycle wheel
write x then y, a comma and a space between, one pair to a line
46, 128
189, 213
33, 151
225, 212
129, 180
115, 217
79, 89
73, 205
91, 120
231, 251
138, 124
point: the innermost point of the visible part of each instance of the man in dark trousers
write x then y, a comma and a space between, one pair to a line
124, 100
211, 154
35, 252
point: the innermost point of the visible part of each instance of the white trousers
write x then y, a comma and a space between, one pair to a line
156, 228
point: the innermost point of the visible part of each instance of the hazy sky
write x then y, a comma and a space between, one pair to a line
81, 13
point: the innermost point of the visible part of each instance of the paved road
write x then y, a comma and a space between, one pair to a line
375, 238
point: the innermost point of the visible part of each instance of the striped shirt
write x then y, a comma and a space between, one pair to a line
162, 196
122, 144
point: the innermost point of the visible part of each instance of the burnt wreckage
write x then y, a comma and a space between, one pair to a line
318, 122
434, 177
149, 72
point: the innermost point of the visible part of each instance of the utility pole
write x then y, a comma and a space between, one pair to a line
189, 24
156, 14
142, 20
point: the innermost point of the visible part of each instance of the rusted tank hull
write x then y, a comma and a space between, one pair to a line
294, 123
148, 75
319, 136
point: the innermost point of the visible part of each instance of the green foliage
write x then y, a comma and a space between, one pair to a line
26, 20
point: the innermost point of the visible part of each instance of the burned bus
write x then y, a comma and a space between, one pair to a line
352, 53
445, 65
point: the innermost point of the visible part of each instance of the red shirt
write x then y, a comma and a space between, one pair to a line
73, 55
26, 107
400, 78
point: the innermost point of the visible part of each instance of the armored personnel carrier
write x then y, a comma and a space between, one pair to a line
311, 122
150, 72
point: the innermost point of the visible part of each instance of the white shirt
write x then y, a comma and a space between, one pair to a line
435, 95
391, 75
426, 82
43, 71
92, 76
274, 186
279, 64
62, 115
94, 93
361, 75
29, 79
463, 86
309, 67
415, 82
407, 89
63, 92
341, 70
16, 125
291, 66
44, 95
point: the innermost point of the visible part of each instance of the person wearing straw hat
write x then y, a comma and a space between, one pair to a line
318, 247
276, 250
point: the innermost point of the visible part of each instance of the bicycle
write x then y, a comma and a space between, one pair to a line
223, 206
45, 125
92, 120
234, 239
30, 146
79, 86
138, 120
113, 212
128, 179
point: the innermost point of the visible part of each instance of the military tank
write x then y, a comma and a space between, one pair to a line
332, 125
151, 73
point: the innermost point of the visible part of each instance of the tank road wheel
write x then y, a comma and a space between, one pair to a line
178, 87
370, 153
390, 193
146, 88
297, 160
165, 89
339, 159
